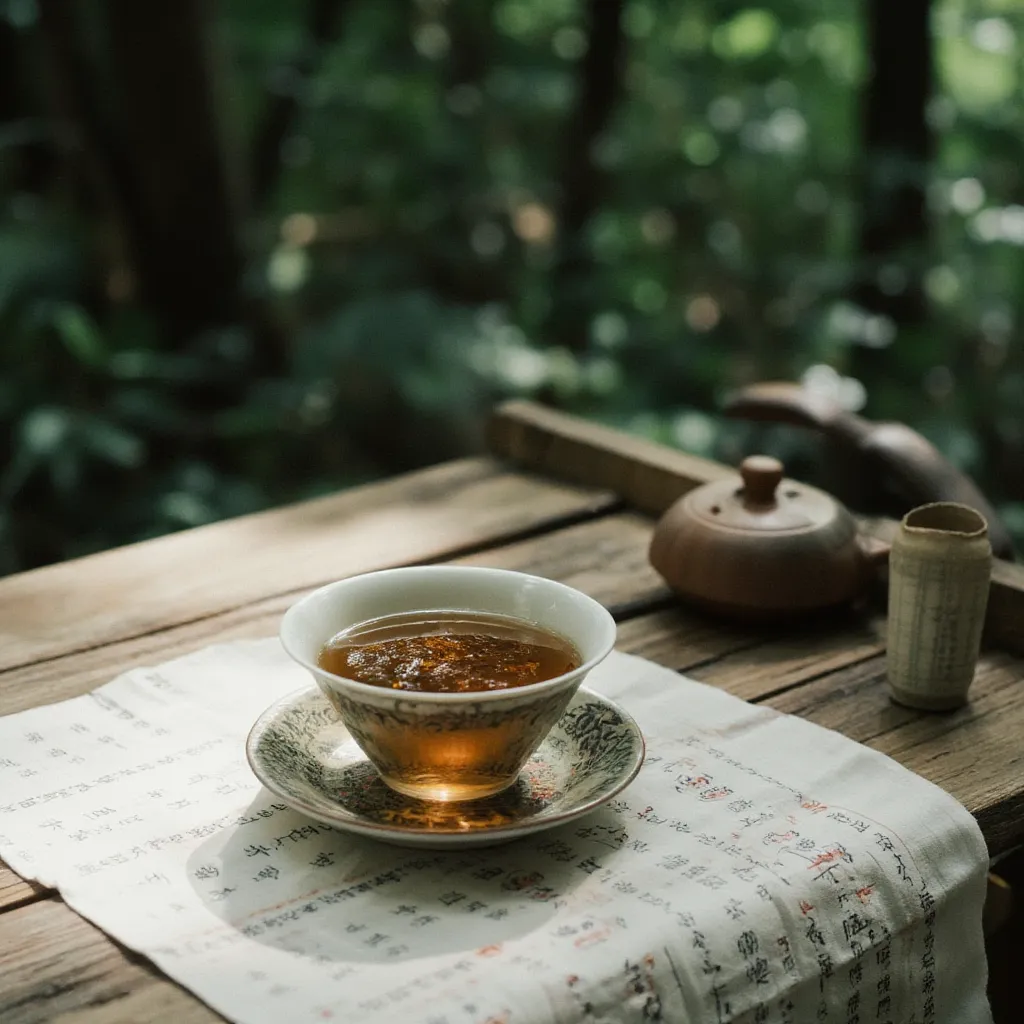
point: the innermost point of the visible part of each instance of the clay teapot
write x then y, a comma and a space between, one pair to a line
758, 546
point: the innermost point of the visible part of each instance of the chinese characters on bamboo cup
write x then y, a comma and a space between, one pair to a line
939, 572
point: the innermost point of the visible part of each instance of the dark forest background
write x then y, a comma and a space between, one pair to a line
255, 250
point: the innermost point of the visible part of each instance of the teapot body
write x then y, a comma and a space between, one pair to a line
760, 547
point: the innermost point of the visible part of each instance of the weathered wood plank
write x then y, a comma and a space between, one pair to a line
793, 658
605, 558
1004, 618
652, 476
152, 1000
14, 890
974, 753
681, 639
431, 514
58, 967
649, 476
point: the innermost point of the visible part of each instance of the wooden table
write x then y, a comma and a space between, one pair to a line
561, 498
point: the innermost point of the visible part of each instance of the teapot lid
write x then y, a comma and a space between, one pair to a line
762, 501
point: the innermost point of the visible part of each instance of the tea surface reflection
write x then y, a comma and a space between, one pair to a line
477, 750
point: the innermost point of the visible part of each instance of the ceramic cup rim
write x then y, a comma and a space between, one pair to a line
506, 577
978, 528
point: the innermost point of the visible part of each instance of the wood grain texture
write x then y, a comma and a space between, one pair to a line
793, 658
680, 638
652, 476
435, 513
14, 890
649, 476
605, 558
1004, 620
974, 753
58, 967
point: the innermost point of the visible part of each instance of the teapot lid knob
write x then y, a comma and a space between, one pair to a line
761, 476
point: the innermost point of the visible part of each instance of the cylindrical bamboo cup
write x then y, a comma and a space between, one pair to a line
939, 572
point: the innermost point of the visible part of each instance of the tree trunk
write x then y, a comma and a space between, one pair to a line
897, 149
145, 123
181, 226
582, 183
28, 162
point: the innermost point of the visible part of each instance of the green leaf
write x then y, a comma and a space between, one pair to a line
66, 471
112, 443
749, 34
184, 509
43, 430
80, 335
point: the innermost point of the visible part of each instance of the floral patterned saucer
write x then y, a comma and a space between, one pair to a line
300, 751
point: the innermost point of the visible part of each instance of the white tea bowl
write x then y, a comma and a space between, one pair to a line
448, 746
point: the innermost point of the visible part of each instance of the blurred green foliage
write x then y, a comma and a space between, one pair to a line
409, 248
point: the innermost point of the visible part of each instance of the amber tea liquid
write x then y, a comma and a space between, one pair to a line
479, 748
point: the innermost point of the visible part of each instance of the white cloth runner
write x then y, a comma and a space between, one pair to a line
760, 869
